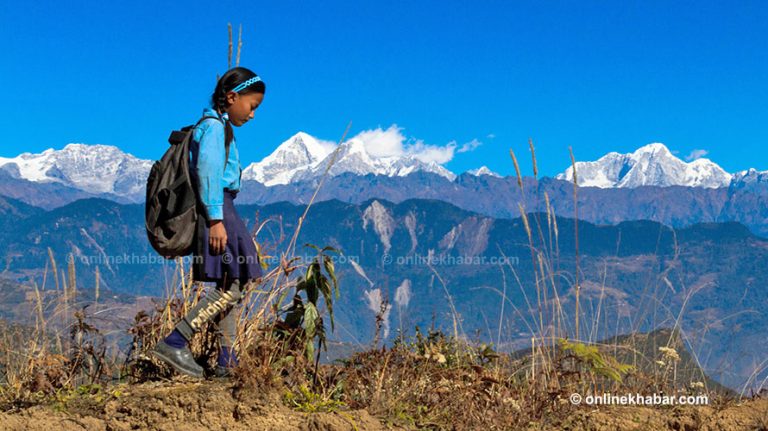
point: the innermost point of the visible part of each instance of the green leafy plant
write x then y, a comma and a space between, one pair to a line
303, 317
595, 361
92, 393
486, 354
305, 400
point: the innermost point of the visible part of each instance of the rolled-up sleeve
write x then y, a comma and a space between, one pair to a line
210, 167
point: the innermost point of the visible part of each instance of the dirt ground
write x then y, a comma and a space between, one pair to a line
184, 406
734, 416
211, 405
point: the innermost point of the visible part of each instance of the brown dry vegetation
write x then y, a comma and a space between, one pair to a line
406, 387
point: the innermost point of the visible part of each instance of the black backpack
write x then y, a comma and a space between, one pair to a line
171, 207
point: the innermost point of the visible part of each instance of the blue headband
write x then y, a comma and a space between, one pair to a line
245, 84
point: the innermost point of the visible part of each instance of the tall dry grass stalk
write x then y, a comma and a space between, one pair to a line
96, 288
517, 169
239, 45
53, 268
533, 157
229, 51
230, 46
576, 236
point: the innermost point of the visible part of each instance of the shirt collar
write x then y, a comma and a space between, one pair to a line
210, 112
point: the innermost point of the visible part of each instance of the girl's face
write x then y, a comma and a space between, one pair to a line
242, 106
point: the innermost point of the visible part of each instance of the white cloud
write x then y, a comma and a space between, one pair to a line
696, 154
383, 143
392, 143
469, 146
490, 136
432, 153
328, 146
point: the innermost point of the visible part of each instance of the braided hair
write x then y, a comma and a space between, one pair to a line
231, 79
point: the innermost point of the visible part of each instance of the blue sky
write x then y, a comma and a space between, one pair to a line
598, 76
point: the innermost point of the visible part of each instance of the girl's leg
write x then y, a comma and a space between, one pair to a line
214, 302
174, 348
227, 331
210, 306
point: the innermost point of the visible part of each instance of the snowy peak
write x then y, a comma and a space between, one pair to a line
105, 169
304, 157
91, 168
300, 152
353, 154
101, 169
483, 170
653, 148
350, 156
406, 165
749, 178
649, 165
355, 158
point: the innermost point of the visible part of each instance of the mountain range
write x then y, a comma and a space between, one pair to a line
650, 165
103, 170
94, 169
648, 184
419, 258
106, 170
303, 157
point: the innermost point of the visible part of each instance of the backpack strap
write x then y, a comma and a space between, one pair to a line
178, 136
226, 144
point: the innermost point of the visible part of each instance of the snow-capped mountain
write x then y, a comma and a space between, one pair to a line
91, 168
405, 165
650, 165
750, 177
299, 153
104, 169
483, 170
304, 158
101, 169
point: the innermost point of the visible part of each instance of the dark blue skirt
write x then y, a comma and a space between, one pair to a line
239, 260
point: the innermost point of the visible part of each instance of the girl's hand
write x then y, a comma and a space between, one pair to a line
217, 237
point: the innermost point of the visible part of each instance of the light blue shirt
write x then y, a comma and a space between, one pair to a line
206, 160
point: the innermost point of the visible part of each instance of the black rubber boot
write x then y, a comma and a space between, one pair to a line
180, 359
223, 372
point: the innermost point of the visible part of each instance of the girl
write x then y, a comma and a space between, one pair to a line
225, 252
